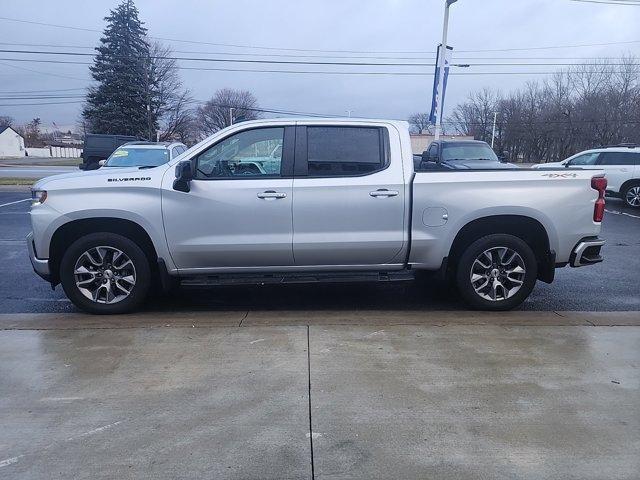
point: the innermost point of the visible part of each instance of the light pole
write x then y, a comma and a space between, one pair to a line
493, 135
441, 58
230, 115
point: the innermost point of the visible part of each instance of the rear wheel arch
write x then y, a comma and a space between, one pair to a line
68, 233
526, 228
628, 183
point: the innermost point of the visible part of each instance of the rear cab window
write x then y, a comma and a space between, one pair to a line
342, 151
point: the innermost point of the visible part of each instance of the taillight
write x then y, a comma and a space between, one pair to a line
599, 184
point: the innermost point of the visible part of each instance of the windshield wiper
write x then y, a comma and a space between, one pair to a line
144, 167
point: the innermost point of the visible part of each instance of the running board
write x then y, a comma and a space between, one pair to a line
298, 277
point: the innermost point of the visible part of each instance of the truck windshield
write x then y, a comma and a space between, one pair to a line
137, 157
452, 152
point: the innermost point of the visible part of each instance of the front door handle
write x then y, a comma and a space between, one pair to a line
272, 194
383, 192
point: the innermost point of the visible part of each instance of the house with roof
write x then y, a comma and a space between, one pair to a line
11, 143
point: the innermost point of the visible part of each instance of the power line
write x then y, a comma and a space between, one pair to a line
611, 2
204, 59
290, 55
292, 62
259, 47
45, 103
327, 72
10, 92
43, 73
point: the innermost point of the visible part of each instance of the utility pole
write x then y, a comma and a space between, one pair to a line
442, 56
493, 135
230, 115
147, 88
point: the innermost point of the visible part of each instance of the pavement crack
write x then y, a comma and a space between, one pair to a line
313, 473
246, 314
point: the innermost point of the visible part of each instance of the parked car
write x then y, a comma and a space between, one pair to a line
98, 147
144, 154
621, 164
345, 204
459, 155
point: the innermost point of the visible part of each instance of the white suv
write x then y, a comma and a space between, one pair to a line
621, 164
144, 154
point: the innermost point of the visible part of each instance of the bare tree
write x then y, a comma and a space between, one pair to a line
179, 120
5, 121
420, 123
227, 106
573, 110
31, 133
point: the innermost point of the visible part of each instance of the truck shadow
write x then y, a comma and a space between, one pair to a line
333, 296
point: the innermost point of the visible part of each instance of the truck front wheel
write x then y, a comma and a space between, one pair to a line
105, 273
496, 272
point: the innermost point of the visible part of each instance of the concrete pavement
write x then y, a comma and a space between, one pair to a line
332, 394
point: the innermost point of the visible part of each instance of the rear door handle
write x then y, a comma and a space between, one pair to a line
383, 192
272, 194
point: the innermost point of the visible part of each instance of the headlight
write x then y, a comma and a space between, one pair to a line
38, 197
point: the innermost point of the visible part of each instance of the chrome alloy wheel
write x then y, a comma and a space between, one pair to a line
105, 274
497, 273
633, 196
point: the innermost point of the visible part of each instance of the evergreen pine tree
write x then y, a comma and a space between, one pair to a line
118, 104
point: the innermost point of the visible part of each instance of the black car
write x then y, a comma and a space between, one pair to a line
459, 155
98, 147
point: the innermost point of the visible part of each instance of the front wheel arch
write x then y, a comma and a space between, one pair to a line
68, 233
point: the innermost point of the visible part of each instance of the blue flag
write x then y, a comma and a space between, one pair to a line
437, 101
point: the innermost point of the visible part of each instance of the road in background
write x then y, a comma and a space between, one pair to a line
34, 172
611, 285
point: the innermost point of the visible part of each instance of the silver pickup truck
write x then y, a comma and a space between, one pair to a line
340, 200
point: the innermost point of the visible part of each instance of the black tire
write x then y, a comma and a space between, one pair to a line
473, 251
137, 294
625, 194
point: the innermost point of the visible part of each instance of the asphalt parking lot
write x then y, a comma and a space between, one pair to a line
328, 382
611, 285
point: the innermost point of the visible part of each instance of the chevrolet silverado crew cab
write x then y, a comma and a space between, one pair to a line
305, 201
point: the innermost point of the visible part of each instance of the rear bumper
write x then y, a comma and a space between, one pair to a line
40, 266
587, 252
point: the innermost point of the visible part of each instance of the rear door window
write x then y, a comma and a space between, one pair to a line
619, 158
345, 151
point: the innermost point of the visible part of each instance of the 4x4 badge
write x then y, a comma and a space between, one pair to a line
560, 175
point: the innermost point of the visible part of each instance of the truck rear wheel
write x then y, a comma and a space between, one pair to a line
105, 273
496, 272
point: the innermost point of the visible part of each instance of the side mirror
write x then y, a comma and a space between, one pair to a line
567, 164
430, 158
102, 162
184, 175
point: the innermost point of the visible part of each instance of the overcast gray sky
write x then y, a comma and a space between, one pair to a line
319, 26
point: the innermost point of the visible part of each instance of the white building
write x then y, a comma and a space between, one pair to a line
11, 143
